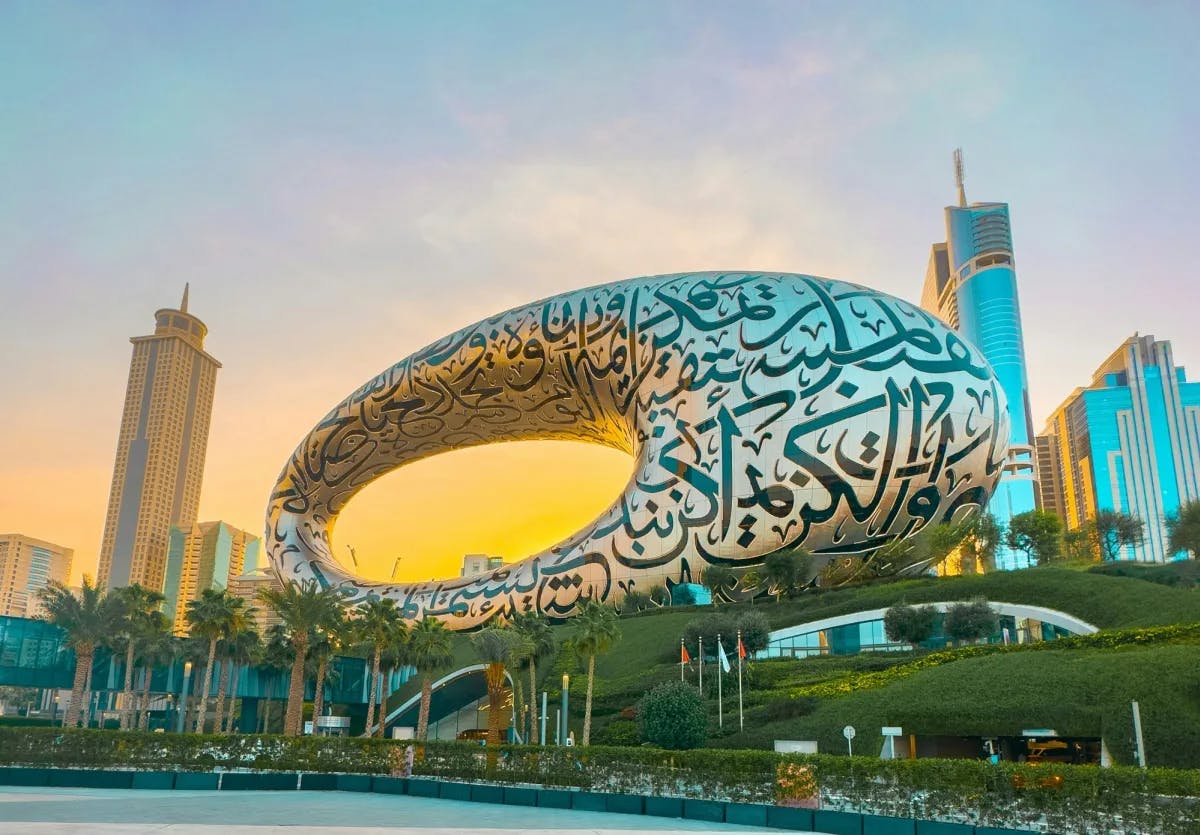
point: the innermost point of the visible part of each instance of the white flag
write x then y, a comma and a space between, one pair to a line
721, 655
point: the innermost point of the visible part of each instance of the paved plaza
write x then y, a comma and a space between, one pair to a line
41, 811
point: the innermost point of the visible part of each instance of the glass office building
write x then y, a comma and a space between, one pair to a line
1128, 442
971, 283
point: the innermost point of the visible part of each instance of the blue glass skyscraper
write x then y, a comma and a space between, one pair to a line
1128, 442
971, 283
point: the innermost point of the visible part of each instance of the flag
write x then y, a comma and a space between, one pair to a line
684, 658
721, 655
741, 648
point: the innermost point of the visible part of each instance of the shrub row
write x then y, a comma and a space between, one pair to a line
1115, 639
1065, 799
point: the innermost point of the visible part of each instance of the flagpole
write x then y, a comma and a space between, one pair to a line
741, 720
702, 666
682, 650
720, 706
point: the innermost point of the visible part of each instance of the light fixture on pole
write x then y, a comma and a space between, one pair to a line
566, 688
187, 677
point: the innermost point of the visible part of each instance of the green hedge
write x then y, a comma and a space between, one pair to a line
1069, 798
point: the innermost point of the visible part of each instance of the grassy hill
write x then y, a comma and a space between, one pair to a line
1083, 690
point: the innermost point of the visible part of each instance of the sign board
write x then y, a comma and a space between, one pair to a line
1039, 732
892, 730
333, 721
848, 732
795, 746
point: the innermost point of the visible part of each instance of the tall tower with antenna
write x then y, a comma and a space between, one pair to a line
971, 283
160, 448
958, 183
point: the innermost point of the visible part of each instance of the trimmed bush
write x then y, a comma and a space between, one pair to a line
672, 716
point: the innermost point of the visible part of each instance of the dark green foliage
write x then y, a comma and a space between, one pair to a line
619, 732
1079, 545
1038, 533
970, 621
1184, 574
1079, 798
910, 624
778, 710
1183, 529
659, 596
672, 716
1115, 531
719, 579
708, 627
755, 629
635, 601
786, 570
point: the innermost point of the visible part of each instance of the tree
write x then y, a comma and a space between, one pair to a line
635, 601
707, 627
209, 617
910, 624
719, 579
135, 604
985, 536
1115, 531
1183, 529
755, 629
157, 647
326, 641
1036, 532
378, 626
240, 623
497, 648
541, 640
786, 569
430, 649
672, 716
597, 631
302, 608
659, 595
274, 659
971, 621
1080, 544
89, 620
242, 649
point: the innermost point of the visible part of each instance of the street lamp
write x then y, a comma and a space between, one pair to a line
566, 689
187, 676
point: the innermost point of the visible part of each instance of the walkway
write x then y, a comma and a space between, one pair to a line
42, 811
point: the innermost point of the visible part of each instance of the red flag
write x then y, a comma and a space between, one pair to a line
741, 648
684, 658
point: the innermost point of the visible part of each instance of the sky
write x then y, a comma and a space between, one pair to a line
342, 184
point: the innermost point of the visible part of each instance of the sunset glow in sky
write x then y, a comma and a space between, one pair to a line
343, 184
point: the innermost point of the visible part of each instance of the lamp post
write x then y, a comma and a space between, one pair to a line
187, 677
566, 689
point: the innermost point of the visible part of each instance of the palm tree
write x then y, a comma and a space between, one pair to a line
497, 649
241, 650
376, 625
541, 643
393, 657
157, 647
135, 605
303, 608
275, 658
598, 631
430, 648
242, 621
88, 619
326, 642
209, 617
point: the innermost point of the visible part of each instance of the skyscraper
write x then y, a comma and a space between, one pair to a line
1129, 442
208, 555
971, 283
160, 448
26, 566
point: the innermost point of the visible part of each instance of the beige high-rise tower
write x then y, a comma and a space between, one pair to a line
160, 449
